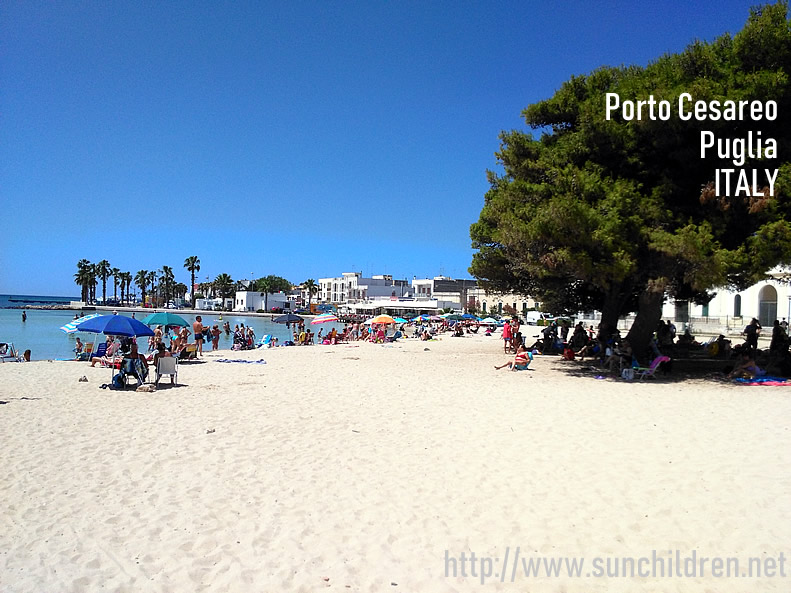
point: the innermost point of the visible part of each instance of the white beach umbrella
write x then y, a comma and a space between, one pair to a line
74, 326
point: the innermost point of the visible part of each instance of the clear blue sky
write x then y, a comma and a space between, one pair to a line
303, 139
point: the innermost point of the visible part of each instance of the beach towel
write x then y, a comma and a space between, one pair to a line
766, 381
260, 361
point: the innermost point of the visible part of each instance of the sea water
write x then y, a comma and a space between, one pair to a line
41, 332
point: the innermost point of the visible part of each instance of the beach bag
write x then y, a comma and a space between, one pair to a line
118, 381
628, 374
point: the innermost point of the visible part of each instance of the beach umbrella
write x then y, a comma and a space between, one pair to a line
489, 321
165, 318
74, 326
382, 319
288, 318
454, 317
435, 318
400, 320
116, 325
470, 316
324, 318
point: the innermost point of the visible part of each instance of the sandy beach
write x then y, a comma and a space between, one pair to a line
372, 468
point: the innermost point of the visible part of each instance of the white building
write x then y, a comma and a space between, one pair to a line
351, 286
254, 301
493, 303
730, 311
455, 294
215, 304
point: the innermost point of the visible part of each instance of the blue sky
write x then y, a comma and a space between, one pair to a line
303, 139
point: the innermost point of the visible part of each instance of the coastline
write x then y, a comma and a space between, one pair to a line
359, 466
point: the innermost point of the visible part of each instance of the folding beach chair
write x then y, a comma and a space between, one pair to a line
643, 372
132, 368
8, 353
167, 365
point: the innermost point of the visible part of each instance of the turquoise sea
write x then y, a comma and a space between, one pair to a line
42, 335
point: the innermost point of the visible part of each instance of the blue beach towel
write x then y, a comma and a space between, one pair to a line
766, 381
260, 361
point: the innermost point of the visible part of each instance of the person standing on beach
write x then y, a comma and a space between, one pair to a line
215, 342
24, 316
506, 337
197, 330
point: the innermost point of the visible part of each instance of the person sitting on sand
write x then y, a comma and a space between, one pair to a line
78, 347
746, 367
521, 360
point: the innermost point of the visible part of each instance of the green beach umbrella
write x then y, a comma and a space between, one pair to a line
166, 319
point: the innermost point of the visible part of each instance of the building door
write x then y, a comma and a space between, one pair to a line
767, 306
682, 311
737, 305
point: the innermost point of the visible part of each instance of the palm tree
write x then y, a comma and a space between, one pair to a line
92, 281
224, 285
152, 282
192, 263
167, 281
124, 278
311, 288
265, 286
128, 281
141, 280
83, 279
104, 271
115, 272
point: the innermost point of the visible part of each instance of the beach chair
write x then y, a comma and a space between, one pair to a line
650, 371
190, 352
101, 350
132, 369
8, 353
87, 350
167, 365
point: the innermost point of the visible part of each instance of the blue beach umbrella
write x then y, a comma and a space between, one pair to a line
116, 325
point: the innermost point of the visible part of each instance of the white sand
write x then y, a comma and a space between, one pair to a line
354, 468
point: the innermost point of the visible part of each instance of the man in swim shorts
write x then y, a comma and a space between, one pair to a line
197, 330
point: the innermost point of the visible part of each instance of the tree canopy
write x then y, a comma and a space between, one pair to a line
614, 214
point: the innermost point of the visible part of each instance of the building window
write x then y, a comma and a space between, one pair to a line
484, 306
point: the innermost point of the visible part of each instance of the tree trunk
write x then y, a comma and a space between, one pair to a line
611, 311
645, 323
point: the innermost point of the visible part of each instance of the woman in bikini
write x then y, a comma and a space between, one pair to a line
520, 362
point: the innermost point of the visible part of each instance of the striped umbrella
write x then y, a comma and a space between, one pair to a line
74, 326
324, 318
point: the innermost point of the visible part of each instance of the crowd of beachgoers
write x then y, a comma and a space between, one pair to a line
614, 354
